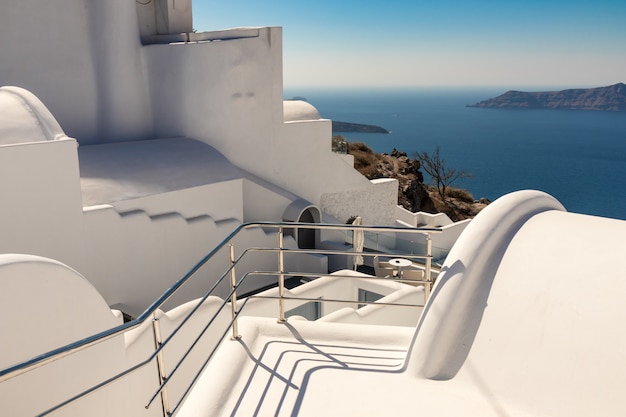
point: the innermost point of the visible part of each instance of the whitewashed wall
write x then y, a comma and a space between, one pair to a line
421, 218
83, 60
40, 212
264, 201
51, 305
371, 203
133, 259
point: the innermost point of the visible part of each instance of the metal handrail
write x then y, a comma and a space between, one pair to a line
149, 313
79, 345
333, 300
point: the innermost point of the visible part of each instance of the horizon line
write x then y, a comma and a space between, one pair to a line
444, 86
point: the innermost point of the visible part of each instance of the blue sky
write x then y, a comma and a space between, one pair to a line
437, 43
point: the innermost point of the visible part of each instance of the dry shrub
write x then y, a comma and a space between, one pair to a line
359, 147
460, 194
364, 159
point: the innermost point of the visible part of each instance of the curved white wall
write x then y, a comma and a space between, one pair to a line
528, 308
465, 279
45, 305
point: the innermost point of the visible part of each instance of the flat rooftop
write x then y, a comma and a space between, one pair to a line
120, 171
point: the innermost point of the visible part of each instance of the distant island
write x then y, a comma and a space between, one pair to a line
343, 127
357, 127
611, 98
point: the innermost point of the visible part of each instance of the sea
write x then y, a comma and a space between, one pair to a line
577, 156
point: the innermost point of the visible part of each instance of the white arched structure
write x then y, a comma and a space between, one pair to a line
301, 211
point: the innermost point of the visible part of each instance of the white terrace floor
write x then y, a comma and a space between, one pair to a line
309, 369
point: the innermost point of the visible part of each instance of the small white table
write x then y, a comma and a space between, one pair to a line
399, 263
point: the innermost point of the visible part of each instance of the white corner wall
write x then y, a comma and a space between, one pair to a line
41, 209
225, 93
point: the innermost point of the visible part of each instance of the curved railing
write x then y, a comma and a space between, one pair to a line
150, 312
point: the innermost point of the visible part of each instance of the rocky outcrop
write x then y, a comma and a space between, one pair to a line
611, 98
413, 194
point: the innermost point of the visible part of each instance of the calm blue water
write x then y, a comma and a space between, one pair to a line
579, 157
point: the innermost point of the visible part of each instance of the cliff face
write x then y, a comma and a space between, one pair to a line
611, 98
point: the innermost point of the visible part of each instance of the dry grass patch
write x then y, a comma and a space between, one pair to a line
460, 194
365, 160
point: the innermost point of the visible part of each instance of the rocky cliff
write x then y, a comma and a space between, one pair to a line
413, 194
611, 98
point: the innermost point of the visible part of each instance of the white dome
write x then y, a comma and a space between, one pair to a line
24, 118
295, 110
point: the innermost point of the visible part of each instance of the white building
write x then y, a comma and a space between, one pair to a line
130, 148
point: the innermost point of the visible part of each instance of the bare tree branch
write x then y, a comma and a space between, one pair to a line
441, 176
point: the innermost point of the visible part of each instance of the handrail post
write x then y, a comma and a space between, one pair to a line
233, 297
158, 340
281, 277
429, 258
